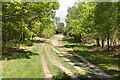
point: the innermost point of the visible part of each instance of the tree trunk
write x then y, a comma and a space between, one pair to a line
108, 41
98, 41
103, 43
32, 37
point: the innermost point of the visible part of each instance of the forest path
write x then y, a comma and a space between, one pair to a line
48, 75
58, 46
57, 63
44, 49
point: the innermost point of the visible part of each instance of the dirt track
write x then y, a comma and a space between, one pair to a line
56, 42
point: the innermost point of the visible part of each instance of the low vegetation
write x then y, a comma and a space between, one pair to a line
108, 61
65, 63
23, 64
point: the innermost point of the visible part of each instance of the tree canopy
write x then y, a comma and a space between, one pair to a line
94, 20
23, 20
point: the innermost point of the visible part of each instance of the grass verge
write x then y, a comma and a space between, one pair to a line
23, 67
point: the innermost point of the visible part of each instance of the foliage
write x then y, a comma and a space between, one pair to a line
60, 27
94, 21
23, 20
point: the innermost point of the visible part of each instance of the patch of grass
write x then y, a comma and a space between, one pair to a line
17, 43
80, 76
0, 70
11, 53
68, 40
24, 68
110, 64
78, 59
64, 62
61, 76
55, 71
38, 41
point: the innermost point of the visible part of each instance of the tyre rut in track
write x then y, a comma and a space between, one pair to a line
48, 75
57, 63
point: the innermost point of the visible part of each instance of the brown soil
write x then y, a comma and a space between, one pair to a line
46, 70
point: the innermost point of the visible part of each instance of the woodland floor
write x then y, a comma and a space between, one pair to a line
50, 59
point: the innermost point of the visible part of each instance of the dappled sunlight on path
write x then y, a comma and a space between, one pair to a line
98, 72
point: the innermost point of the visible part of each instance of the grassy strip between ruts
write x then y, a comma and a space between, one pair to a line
65, 63
76, 64
55, 71
24, 68
71, 67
